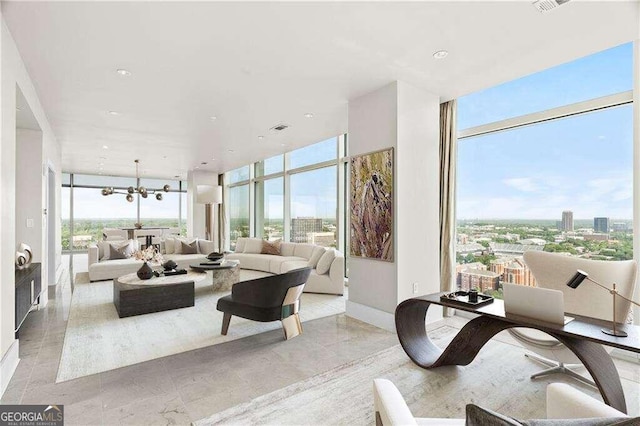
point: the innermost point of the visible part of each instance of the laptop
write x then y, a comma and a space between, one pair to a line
533, 302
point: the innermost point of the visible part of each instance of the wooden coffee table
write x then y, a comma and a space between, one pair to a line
225, 275
133, 296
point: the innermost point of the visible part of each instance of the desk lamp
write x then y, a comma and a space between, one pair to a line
579, 277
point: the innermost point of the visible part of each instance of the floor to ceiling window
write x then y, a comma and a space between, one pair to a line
545, 162
84, 206
292, 196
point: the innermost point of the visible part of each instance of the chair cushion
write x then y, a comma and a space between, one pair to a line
324, 264
240, 242
287, 249
303, 250
535, 337
316, 254
228, 305
253, 246
292, 263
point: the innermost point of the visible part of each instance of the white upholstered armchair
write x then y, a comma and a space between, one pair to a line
563, 402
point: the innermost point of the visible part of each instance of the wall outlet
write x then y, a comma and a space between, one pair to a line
415, 288
29, 223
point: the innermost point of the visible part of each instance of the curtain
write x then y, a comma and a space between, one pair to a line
448, 155
222, 217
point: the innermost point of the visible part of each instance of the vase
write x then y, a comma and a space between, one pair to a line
145, 272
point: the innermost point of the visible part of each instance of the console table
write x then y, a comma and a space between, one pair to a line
582, 336
28, 289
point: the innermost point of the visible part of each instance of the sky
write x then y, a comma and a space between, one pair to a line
582, 163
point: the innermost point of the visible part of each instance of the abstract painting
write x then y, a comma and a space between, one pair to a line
371, 198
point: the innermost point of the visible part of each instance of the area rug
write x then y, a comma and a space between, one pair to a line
498, 379
96, 340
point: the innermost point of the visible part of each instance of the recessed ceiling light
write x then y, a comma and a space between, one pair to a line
124, 72
440, 54
308, 115
260, 137
114, 113
105, 147
213, 159
213, 118
281, 144
204, 163
197, 167
231, 151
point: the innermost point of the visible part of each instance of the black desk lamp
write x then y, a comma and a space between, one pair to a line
580, 276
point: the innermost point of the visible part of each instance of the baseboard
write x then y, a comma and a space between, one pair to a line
8, 365
373, 316
625, 355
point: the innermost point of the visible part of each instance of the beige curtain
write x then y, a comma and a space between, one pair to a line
448, 144
222, 216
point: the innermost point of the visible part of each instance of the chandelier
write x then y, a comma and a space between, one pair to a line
140, 190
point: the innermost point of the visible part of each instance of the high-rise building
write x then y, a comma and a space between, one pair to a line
601, 225
302, 226
567, 220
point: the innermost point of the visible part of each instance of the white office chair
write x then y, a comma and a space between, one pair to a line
552, 271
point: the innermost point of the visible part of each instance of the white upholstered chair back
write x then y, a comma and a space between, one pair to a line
553, 270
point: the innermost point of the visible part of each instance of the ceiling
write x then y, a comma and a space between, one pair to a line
255, 65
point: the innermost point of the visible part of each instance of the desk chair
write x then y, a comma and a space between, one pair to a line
552, 270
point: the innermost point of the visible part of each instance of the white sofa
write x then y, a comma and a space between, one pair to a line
292, 256
108, 269
563, 402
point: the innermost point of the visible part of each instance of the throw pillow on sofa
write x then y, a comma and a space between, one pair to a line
178, 246
253, 245
189, 248
104, 247
271, 248
316, 254
169, 245
118, 253
324, 264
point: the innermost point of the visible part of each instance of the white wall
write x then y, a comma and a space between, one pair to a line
29, 191
12, 73
407, 119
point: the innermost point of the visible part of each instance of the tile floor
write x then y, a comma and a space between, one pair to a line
184, 387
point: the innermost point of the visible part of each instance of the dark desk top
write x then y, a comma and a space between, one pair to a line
582, 327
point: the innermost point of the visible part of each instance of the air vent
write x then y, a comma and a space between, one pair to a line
279, 127
548, 5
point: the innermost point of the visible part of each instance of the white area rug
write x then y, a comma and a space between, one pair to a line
497, 379
97, 340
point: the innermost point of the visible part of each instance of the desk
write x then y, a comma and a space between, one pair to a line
582, 336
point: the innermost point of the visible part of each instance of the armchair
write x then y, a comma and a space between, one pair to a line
271, 298
563, 402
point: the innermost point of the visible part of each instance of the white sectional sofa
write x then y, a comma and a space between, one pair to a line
293, 256
108, 269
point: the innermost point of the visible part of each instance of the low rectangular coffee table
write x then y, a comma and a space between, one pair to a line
133, 296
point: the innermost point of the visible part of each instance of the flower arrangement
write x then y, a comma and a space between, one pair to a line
150, 254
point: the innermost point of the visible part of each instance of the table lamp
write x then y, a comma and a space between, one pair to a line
579, 277
208, 195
